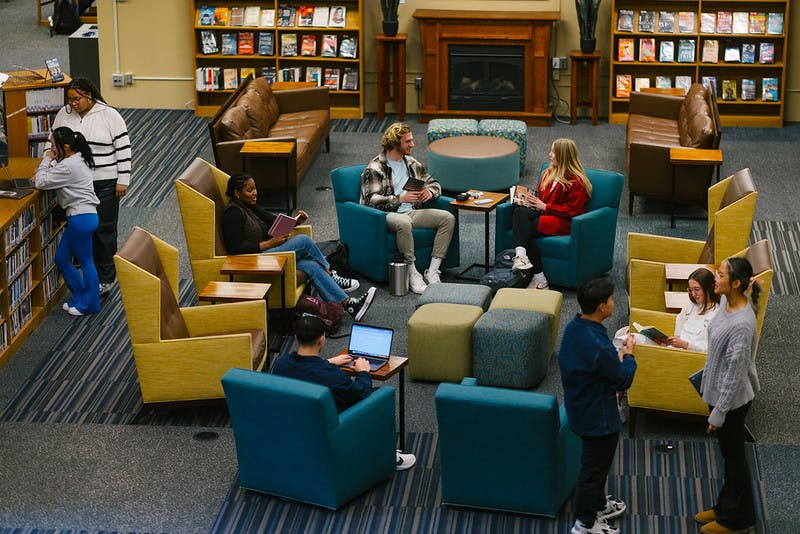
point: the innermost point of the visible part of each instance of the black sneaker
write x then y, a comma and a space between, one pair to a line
358, 307
348, 285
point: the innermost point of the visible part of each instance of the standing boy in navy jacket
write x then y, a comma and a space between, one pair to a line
593, 372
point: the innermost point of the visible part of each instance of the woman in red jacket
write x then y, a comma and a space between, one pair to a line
562, 194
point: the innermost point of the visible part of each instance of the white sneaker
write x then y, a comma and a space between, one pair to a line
405, 461
416, 283
538, 282
521, 263
74, 311
106, 287
599, 527
613, 509
432, 276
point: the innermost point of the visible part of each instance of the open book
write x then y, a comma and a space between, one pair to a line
651, 332
283, 225
414, 184
520, 193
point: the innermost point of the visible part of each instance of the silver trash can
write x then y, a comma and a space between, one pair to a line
398, 278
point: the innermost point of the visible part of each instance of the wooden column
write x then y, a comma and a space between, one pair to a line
391, 55
585, 78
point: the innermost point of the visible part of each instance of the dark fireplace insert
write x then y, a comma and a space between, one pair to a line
486, 77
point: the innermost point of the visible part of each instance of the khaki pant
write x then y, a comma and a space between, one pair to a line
403, 225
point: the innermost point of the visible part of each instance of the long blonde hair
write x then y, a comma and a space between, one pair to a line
567, 163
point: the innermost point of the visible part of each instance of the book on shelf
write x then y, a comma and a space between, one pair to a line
710, 83
266, 44
321, 14
623, 86
267, 18
666, 51
244, 72
647, 49
686, 51
664, 82
230, 79
314, 74
641, 83
329, 45
625, 49
291, 74
289, 44
666, 22
350, 79
732, 53
237, 16
338, 17
757, 22
748, 89
308, 45
229, 44
728, 89
205, 16
769, 89
724, 22
708, 22
208, 42
740, 19
710, 51
305, 15
221, 16
269, 73
286, 15
348, 47
331, 80
686, 22
748, 53
246, 44
684, 82
651, 332
252, 15
766, 52
775, 24
625, 20
647, 20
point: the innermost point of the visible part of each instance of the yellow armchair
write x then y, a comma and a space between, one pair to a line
200, 191
182, 353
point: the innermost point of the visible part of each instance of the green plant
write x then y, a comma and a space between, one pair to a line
389, 9
587, 17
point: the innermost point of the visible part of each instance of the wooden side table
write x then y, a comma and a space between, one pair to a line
585, 78
286, 150
691, 156
254, 264
217, 291
392, 51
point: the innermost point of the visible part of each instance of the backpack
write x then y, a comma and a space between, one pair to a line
65, 18
330, 312
337, 254
502, 275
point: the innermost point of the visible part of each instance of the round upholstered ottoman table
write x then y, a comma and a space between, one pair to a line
474, 162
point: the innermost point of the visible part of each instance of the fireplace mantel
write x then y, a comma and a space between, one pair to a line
440, 28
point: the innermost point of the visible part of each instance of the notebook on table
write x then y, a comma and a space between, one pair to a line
373, 343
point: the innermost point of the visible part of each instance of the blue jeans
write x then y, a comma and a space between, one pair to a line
311, 261
77, 241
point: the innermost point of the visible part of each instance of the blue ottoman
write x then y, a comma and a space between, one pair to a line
512, 130
511, 348
474, 162
471, 294
443, 128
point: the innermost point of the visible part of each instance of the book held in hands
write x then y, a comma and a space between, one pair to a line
651, 332
282, 225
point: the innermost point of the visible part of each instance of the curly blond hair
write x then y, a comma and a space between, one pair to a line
392, 135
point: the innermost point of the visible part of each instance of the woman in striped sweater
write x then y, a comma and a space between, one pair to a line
105, 130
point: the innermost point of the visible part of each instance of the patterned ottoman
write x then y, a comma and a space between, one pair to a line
442, 128
512, 130
541, 300
471, 294
510, 348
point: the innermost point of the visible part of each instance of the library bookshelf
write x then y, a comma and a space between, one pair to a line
762, 104
211, 94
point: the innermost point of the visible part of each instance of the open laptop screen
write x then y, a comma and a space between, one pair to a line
366, 340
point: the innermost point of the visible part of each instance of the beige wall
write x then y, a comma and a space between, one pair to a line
155, 40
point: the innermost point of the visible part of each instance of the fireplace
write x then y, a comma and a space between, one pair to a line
486, 77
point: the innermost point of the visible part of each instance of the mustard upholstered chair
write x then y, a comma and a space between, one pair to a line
661, 382
202, 200
182, 353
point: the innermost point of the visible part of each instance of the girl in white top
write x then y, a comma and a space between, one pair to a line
691, 326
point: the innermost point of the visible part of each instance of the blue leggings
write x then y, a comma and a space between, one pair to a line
77, 242
311, 261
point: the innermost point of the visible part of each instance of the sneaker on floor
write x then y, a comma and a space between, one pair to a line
613, 509
65, 306
347, 284
358, 307
538, 282
715, 528
106, 287
416, 283
74, 311
706, 516
521, 263
599, 527
405, 461
432, 276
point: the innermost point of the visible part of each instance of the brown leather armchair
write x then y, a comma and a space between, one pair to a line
657, 123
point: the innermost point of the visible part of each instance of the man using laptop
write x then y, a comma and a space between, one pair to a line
306, 364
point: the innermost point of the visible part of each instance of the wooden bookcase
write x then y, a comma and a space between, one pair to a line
20, 90
736, 112
344, 104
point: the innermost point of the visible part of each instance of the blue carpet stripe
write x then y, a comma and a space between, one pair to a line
784, 240
369, 124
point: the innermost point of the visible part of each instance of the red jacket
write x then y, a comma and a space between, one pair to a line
563, 203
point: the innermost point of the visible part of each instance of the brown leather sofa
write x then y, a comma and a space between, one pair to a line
657, 123
256, 113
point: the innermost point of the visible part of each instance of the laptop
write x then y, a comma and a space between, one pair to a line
373, 343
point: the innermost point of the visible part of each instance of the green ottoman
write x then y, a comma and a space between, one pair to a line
474, 162
541, 300
440, 342
512, 130
445, 292
443, 128
510, 348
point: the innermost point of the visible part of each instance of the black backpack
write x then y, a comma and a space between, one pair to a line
337, 254
502, 275
65, 18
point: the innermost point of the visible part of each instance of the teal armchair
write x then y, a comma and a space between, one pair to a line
505, 449
364, 229
569, 260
